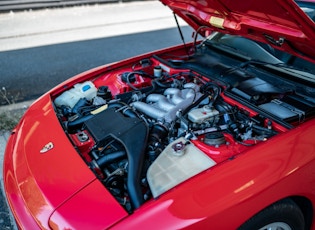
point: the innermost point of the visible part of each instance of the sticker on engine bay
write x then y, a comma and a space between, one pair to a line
217, 22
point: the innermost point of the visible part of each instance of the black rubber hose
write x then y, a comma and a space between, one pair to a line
127, 112
160, 84
263, 130
135, 148
204, 96
71, 125
110, 158
81, 103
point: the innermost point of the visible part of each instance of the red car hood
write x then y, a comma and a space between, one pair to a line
45, 172
281, 23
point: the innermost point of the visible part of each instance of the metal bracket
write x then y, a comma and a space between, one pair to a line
273, 41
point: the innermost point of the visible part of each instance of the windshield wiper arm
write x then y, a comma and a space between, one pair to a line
301, 73
262, 63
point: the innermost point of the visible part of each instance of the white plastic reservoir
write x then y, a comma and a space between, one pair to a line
72, 96
179, 161
201, 114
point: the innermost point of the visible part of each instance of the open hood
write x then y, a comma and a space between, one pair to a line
281, 23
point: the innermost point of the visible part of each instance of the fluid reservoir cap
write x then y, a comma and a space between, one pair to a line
157, 71
179, 148
104, 92
86, 88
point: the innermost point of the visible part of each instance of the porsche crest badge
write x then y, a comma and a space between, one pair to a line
47, 147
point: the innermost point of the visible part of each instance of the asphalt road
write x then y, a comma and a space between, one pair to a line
40, 49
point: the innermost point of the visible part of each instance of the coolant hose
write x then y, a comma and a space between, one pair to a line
110, 158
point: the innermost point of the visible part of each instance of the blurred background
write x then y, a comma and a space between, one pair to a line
43, 43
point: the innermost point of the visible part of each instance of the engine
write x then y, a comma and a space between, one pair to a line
150, 129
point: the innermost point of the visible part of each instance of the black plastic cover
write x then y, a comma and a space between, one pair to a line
132, 132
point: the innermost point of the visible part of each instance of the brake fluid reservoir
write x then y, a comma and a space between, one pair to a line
201, 114
179, 161
72, 96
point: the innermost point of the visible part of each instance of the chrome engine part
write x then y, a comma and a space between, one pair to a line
164, 108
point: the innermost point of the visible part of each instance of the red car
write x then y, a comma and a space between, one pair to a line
218, 133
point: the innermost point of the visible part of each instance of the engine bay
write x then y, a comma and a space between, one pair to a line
146, 127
